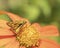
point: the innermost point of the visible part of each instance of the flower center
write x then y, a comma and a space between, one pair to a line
27, 36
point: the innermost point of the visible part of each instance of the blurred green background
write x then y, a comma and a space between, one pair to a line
45, 12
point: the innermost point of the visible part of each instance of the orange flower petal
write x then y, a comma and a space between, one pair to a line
5, 41
50, 30
13, 44
4, 32
3, 24
46, 30
45, 43
4, 28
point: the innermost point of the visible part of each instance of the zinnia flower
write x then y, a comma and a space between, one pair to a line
13, 38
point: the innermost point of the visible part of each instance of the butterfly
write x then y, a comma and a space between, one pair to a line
27, 36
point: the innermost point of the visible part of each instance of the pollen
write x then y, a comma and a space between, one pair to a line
28, 37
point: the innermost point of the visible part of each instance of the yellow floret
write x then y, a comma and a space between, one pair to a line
28, 36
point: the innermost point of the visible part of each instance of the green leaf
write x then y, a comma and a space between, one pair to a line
31, 12
44, 5
5, 17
